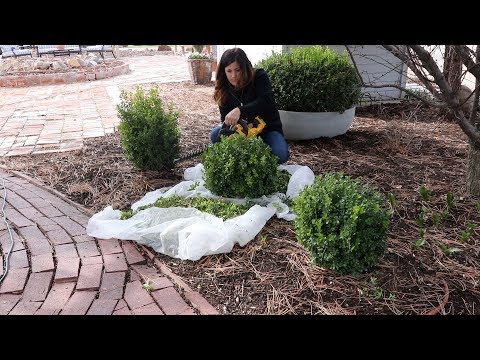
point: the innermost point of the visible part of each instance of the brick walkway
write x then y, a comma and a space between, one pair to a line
49, 118
55, 268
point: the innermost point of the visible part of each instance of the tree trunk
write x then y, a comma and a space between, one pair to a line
214, 54
452, 67
473, 169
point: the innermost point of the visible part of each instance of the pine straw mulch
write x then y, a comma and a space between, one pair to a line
394, 148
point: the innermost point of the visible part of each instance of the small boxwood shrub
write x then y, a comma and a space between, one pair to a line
312, 79
241, 167
342, 223
150, 135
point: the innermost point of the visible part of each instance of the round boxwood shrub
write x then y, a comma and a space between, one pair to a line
312, 79
240, 167
149, 133
342, 223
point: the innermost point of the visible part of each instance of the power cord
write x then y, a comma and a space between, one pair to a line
7, 256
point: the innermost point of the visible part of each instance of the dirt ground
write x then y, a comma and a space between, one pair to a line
396, 148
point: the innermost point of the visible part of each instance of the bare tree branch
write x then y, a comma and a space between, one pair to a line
474, 110
410, 92
428, 63
431, 66
472, 67
396, 51
401, 88
354, 64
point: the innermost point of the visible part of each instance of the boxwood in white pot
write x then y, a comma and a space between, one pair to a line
316, 90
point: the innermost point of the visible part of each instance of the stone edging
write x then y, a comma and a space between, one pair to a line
195, 298
61, 78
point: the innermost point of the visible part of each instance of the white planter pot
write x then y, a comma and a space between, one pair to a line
312, 125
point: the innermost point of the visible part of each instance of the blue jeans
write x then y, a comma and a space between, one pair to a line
274, 139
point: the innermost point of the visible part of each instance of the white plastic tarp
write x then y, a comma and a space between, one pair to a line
187, 233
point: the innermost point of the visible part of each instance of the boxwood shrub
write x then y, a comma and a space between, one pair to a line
241, 167
342, 223
312, 79
150, 135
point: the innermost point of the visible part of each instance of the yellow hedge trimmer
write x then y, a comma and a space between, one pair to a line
242, 127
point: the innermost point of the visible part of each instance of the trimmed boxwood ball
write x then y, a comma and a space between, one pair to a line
150, 135
342, 223
312, 79
240, 167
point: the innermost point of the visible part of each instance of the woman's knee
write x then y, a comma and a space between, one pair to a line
279, 146
282, 153
214, 134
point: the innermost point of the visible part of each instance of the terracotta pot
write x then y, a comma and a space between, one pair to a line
200, 70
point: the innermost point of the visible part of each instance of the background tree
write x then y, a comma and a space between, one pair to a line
445, 85
198, 48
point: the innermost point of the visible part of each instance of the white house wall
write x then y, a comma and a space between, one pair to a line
254, 52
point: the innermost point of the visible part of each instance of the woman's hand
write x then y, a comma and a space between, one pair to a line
232, 117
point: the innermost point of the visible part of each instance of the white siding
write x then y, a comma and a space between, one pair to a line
254, 52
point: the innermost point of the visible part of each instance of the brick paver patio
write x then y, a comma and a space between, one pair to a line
42, 119
55, 267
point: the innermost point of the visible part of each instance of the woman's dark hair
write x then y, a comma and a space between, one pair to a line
221, 81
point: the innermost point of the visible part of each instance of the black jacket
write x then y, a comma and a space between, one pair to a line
257, 99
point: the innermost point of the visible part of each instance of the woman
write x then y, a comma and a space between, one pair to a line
243, 92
